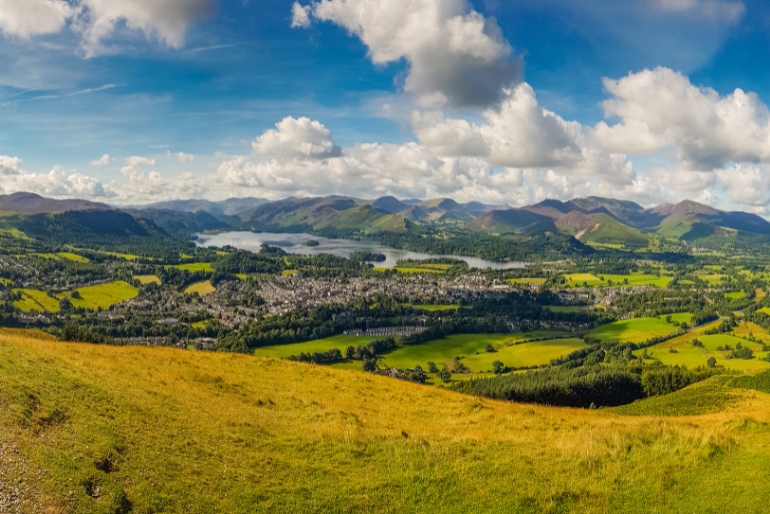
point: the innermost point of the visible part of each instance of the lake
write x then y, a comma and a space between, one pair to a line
296, 243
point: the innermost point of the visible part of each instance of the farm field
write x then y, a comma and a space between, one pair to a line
680, 317
693, 357
737, 295
104, 295
447, 348
526, 281
635, 330
147, 279
73, 257
523, 355
202, 288
32, 300
180, 431
193, 267
578, 279
319, 345
436, 308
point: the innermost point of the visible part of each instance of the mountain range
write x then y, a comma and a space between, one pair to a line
593, 220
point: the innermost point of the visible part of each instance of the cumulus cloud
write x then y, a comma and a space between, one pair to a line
104, 160
522, 134
96, 20
456, 56
729, 11
167, 21
9, 165
184, 158
661, 108
300, 16
26, 18
297, 138
748, 185
57, 183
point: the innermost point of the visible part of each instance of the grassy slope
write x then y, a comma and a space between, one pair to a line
635, 330
196, 432
692, 357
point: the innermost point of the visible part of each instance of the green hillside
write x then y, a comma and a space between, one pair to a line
99, 429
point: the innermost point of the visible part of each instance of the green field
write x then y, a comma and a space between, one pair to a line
147, 279
319, 345
73, 257
524, 355
102, 429
202, 288
436, 308
737, 295
193, 267
680, 317
526, 281
707, 397
713, 279
635, 330
459, 345
578, 279
33, 300
564, 309
691, 356
105, 295
287, 272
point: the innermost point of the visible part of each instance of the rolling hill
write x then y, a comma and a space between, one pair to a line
30, 203
222, 209
326, 213
102, 429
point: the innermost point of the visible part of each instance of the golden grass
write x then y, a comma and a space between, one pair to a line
181, 431
202, 288
147, 279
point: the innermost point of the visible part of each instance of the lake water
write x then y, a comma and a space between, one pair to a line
296, 243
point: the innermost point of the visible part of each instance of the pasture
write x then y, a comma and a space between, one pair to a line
635, 330
104, 295
680, 317
319, 345
524, 355
193, 267
446, 349
603, 280
685, 354
147, 279
33, 300
436, 308
202, 288
177, 431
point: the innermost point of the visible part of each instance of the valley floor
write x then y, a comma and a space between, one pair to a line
99, 429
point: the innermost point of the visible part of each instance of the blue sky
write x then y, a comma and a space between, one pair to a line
492, 100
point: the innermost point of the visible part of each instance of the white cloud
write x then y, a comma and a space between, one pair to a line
729, 11
137, 160
184, 158
168, 20
26, 18
300, 16
57, 183
297, 139
455, 55
522, 134
660, 108
104, 160
748, 185
9, 165
97, 20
